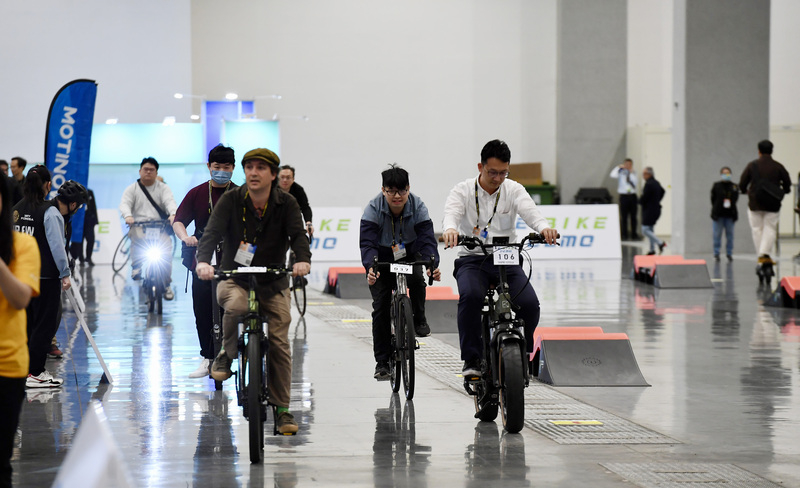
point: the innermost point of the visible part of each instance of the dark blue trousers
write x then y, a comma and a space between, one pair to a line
474, 274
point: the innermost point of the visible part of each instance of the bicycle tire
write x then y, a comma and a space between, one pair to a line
121, 254
512, 387
408, 344
255, 363
299, 292
395, 367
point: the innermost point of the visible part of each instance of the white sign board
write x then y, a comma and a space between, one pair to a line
107, 235
587, 232
336, 233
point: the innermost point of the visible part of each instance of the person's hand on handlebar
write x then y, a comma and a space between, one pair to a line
372, 276
450, 238
190, 241
204, 271
550, 235
301, 269
129, 220
437, 275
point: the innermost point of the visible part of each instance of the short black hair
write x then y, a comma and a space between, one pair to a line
765, 147
220, 154
21, 162
150, 160
724, 168
290, 168
496, 149
395, 177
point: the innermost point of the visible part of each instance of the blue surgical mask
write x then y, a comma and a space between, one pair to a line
221, 177
726, 177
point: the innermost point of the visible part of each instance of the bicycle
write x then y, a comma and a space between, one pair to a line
122, 254
154, 263
252, 391
404, 339
504, 367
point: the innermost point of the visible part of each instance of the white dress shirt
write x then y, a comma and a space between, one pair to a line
623, 186
461, 214
135, 204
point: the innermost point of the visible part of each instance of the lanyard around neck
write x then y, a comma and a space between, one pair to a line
210, 202
478, 207
401, 229
244, 212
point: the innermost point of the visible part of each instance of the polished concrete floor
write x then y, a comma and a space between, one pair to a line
723, 408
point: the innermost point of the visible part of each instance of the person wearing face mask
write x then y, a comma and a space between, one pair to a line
724, 195
197, 207
48, 223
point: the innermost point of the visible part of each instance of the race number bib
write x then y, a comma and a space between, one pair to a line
506, 256
401, 268
152, 233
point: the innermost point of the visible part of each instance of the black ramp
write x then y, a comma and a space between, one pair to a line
586, 362
352, 285
441, 315
682, 276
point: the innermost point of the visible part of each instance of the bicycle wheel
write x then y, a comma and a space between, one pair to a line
122, 254
395, 361
408, 342
255, 362
299, 291
512, 387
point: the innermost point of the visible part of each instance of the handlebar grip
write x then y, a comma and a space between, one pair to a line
431, 268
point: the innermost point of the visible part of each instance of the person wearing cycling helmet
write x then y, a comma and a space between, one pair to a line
487, 206
45, 221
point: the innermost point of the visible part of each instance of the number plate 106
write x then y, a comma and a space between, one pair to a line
506, 256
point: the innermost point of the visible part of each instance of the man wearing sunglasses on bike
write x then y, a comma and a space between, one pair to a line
487, 206
395, 227
258, 224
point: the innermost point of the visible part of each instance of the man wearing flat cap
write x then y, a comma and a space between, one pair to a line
257, 224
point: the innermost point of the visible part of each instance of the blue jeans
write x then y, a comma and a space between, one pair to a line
726, 224
647, 230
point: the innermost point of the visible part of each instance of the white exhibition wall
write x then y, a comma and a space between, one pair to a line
424, 84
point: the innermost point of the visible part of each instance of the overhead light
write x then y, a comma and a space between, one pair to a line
178, 95
195, 117
111, 121
188, 95
274, 97
168, 120
231, 96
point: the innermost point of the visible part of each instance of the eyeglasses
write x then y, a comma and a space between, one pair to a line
394, 191
494, 174
285, 177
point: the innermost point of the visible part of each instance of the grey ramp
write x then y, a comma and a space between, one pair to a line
441, 315
586, 362
352, 285
682, 276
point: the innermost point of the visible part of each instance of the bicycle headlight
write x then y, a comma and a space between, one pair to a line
154, 254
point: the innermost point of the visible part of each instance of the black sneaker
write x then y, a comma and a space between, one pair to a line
381, 371
471, 368
422, 330
730, 258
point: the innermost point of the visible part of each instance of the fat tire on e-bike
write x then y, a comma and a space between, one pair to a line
512, 387
254, 386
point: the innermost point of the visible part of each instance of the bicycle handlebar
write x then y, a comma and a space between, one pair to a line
472, 242
428, 263
250, 271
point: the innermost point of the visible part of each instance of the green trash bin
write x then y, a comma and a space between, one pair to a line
543, 194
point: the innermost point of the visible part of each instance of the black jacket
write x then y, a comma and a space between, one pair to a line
766, 168
721, 191
280, 228
652, 193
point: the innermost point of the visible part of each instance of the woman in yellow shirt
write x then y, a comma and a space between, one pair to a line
19, 281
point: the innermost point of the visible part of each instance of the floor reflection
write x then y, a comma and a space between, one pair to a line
215, 448
494, 457
396, 457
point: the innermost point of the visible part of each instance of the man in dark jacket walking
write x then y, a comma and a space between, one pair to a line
763, 180
724, 195
652, 193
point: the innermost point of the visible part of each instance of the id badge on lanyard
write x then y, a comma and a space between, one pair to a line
245, 253
399, 251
